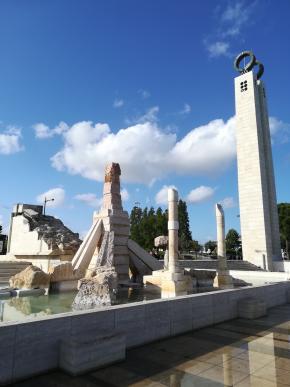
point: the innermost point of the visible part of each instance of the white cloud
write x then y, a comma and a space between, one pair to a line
205, 150
186, 109
218, 48
118, 103
43, 131
125, 195
10, 141
90, 199
235, 16
146, 152
228, 202
149, 116
231, 23
58, 194
200, 194
144, 93
279, 129
162, 196
1, 220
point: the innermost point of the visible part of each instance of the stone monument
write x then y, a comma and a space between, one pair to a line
113, 249
172, 281
257, 193
107, 244
223, 280
41, 239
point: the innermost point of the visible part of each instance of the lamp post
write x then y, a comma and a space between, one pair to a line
45, 201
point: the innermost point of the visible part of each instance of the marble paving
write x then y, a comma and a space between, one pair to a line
242, 353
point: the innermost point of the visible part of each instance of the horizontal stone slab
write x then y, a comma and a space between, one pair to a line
251, 308
82, 354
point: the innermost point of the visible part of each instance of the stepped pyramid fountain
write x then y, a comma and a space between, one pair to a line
107, 243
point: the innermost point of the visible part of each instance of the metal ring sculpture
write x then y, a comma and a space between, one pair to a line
250, 65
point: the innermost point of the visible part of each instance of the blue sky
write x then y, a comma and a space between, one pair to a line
148, 84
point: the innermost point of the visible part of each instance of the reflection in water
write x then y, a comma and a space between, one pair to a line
17, 309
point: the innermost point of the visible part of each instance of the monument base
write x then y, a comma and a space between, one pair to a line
223, 280
170, 284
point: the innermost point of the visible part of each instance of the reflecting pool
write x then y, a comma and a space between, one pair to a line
20, 308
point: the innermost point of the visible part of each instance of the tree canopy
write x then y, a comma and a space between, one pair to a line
210, 246
284, 223
147, 224
184, 233
233, 243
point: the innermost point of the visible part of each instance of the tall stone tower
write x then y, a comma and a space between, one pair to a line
257, 192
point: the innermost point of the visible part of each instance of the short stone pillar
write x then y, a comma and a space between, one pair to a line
223, 280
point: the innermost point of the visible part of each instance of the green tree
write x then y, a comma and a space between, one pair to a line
284, 223
184, 233
161, 222
147, 224
135, 222
210, 245
1, 229
233, 243
195, 246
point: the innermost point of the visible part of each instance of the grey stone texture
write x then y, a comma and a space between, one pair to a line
82, 353
251, 308
100, 290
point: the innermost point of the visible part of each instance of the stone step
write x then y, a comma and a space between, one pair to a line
8, 272
9, 269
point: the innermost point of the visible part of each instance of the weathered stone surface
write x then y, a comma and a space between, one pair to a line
97, 291
204, 278
64, 272
202, 274
30, 278
161, 241
35, 234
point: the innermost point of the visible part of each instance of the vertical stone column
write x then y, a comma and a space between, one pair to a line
257, 196
173, 227
220, 224
223, 279
172, 280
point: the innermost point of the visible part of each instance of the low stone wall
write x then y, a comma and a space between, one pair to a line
260, 277
32, 347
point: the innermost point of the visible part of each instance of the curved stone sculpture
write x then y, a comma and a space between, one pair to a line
250, 65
